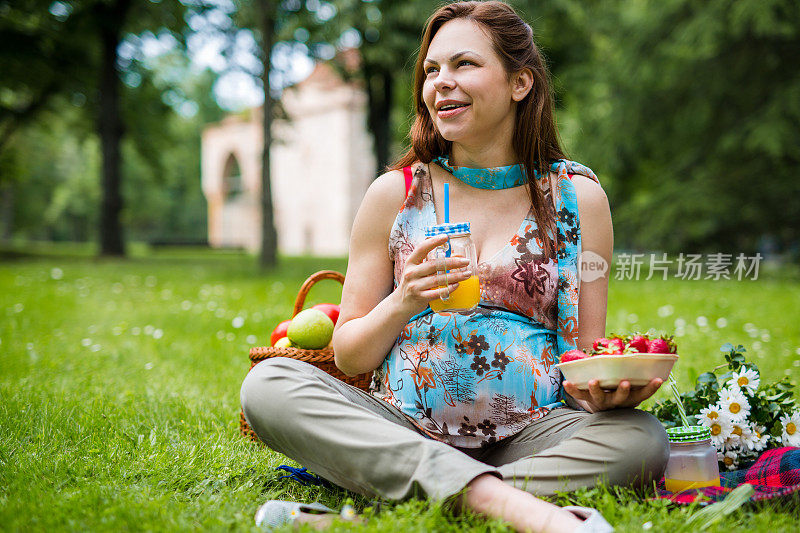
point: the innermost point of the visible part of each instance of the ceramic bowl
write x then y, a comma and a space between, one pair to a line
638, 369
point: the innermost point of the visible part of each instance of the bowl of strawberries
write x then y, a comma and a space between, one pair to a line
636, 358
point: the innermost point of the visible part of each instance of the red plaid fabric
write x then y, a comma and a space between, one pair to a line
776, 473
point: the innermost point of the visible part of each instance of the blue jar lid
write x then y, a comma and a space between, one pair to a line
452, 229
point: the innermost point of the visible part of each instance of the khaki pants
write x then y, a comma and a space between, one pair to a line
367, 446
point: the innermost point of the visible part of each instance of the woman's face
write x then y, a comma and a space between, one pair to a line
466, 89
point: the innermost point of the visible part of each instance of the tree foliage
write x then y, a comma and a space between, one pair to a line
693, 111
688, 111
39, 59
73, 47
62, 46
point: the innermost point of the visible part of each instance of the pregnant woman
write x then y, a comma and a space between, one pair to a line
468, 406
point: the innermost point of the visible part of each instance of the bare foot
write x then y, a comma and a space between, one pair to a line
316, 521
490, 496
320, 521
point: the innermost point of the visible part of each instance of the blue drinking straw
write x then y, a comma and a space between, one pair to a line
447, 213
446, 203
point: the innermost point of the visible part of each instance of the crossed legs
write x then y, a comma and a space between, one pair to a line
360, 443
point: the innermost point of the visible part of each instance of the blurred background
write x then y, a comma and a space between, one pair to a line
144, 121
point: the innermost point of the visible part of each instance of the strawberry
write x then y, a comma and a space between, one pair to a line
671, 346
615, 346
611, 345
639, 343
573, 355
600, 343
660, 345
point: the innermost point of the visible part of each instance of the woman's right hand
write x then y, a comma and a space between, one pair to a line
424, 280
375, 306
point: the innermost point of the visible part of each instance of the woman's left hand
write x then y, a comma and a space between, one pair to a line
596, 399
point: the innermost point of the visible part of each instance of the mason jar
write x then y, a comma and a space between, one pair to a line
692, 459
459, 244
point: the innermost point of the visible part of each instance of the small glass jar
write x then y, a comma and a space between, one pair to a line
459, 244
692, 459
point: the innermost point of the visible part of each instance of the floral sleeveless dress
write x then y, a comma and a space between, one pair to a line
475, 377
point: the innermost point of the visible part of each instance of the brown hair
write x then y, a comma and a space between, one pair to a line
535, 140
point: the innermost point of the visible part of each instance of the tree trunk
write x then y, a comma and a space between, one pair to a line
7, 210
379, 100
269, 237
110, 129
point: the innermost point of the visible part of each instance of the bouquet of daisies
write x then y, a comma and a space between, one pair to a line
744, 414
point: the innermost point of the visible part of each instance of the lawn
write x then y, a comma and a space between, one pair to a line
119, 385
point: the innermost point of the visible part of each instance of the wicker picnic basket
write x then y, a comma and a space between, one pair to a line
322, 359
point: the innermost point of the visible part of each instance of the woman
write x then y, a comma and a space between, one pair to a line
468, 406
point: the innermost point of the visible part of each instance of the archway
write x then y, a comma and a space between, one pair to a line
235, 205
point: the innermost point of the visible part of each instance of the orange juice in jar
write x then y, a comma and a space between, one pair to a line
459, 244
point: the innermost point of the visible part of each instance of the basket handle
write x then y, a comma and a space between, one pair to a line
310, 282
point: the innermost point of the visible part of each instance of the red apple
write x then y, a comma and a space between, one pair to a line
332, 310
279, 332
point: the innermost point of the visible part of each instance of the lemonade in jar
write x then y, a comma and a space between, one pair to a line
692, 459
459, 244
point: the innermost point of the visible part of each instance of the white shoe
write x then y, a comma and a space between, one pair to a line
276, 513
593, 521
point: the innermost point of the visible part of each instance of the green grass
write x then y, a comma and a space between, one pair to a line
119, 389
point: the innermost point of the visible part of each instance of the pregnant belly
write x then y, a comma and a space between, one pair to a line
472, 376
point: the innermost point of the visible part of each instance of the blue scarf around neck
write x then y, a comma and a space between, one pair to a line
486, 178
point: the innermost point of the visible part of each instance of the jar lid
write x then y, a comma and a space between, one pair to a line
449, 228
689, 433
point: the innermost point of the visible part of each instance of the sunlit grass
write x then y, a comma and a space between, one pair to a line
119, 383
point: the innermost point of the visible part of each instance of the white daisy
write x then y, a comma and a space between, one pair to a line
729, 458
709, 414
746, 379
734, 440
720, 427
791, 429
746, 435
731, 444
760, 438
734, 404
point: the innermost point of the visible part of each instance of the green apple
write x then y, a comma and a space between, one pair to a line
310, 329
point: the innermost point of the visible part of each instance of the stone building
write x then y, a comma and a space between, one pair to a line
322, 163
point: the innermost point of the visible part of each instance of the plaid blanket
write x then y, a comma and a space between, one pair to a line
776, 473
